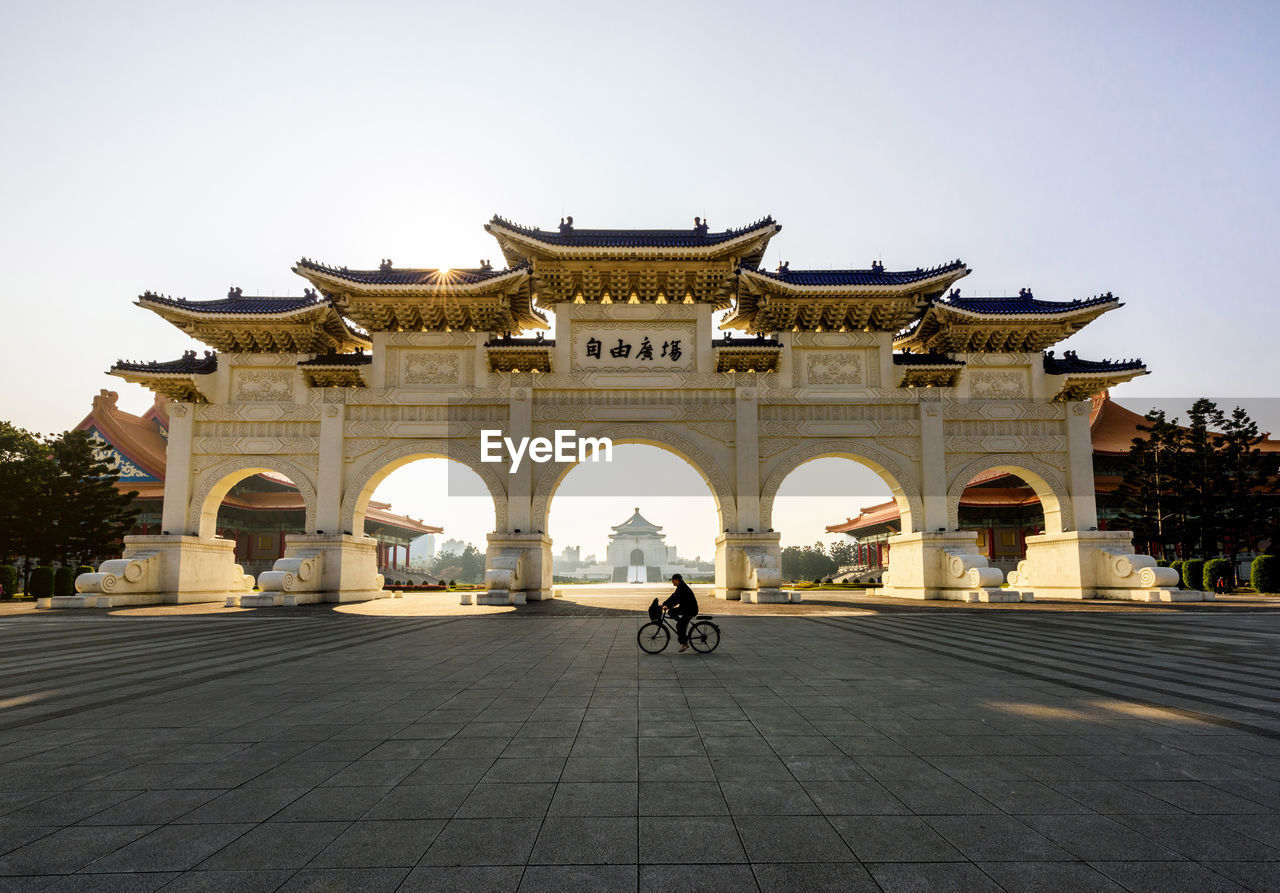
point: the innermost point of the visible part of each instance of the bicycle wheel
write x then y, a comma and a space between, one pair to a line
704, 637
653, 637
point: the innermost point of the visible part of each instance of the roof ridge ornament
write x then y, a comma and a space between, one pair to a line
878, 267
566, 225
1025, 293
235, 293
385, 265
700, 226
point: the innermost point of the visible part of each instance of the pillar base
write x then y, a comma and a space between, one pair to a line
1096, 564
748, 567
517, 569
942, 566
172, 570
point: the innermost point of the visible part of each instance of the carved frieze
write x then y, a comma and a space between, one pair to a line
262, 385
1002, 384
844, 367
427, 367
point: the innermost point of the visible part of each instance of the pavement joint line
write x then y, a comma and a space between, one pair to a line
1124, 664
198, 679
1224, 722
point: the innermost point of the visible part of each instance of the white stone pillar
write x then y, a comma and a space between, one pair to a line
177, 474
1080, 484
933, 469
329, 471
747, 455
520, 484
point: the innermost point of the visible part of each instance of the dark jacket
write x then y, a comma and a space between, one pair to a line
682, 601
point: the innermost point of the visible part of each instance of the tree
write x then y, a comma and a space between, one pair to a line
472, 564
807, 563
22, 469
89, 513
844, 552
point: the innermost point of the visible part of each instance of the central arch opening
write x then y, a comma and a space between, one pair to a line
817, 546
260, 509
431, 517
633, 521
1003, 508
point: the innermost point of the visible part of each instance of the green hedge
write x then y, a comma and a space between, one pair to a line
1192, 573
9, 580
41, 582
84, 569
1176, 564
1215, 568
64, 581
1264, 573
1162, 562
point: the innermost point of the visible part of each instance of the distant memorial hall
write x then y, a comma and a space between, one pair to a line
374, 368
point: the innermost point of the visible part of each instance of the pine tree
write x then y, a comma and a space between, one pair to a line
89, 514
24, 470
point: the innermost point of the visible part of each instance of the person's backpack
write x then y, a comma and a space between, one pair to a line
655, 612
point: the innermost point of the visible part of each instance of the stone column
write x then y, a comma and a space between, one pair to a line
1080, 484
177, 476
747, 457
933, 469
329, 477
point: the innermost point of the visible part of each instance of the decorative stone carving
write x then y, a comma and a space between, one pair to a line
1002, 385
835, 368
254, 385
425, 367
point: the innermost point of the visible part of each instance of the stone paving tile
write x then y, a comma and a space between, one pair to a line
578, 879
595, 799
69, 849
1096, 837
328, 880
1201, 838
713, 878
512, 799
379, 844
684, 839
892, 838
171, 848
932, 877
609, 840
791, 839
124, 882
685, 798
835, 877
1164, 877
768, 798
325, 804
995, 838
483, 842
463, 879
1050, 877
276, 845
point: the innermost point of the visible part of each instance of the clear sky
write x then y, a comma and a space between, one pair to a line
1070, 148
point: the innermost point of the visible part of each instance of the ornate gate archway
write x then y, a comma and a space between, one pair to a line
893, 369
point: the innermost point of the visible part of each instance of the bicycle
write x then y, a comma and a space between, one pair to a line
655, 635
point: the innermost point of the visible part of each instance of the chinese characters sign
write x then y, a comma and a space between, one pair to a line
664, 348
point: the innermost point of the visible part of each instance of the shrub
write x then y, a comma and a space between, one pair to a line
1162, 562
1264, 574
453, 584
64, 581
9, 580
85, 569
41, 582
1192, 573
1215, 569
1176, 564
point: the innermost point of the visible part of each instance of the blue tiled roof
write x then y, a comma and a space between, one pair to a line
236, 303
510, 341
874, 276
388, 275
925, 359
339, 359
573, 237
1023, 303
1069, 362
759, 341
189, 364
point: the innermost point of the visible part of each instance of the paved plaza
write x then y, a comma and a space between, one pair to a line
539, 749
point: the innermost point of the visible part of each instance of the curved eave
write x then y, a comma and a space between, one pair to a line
517, 246
333, 282
318, 317
181, 386
925, 286
1070, 313
1086, 385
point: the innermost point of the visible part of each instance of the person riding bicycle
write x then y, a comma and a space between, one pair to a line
683, 606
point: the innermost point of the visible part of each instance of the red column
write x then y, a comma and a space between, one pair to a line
991, 542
